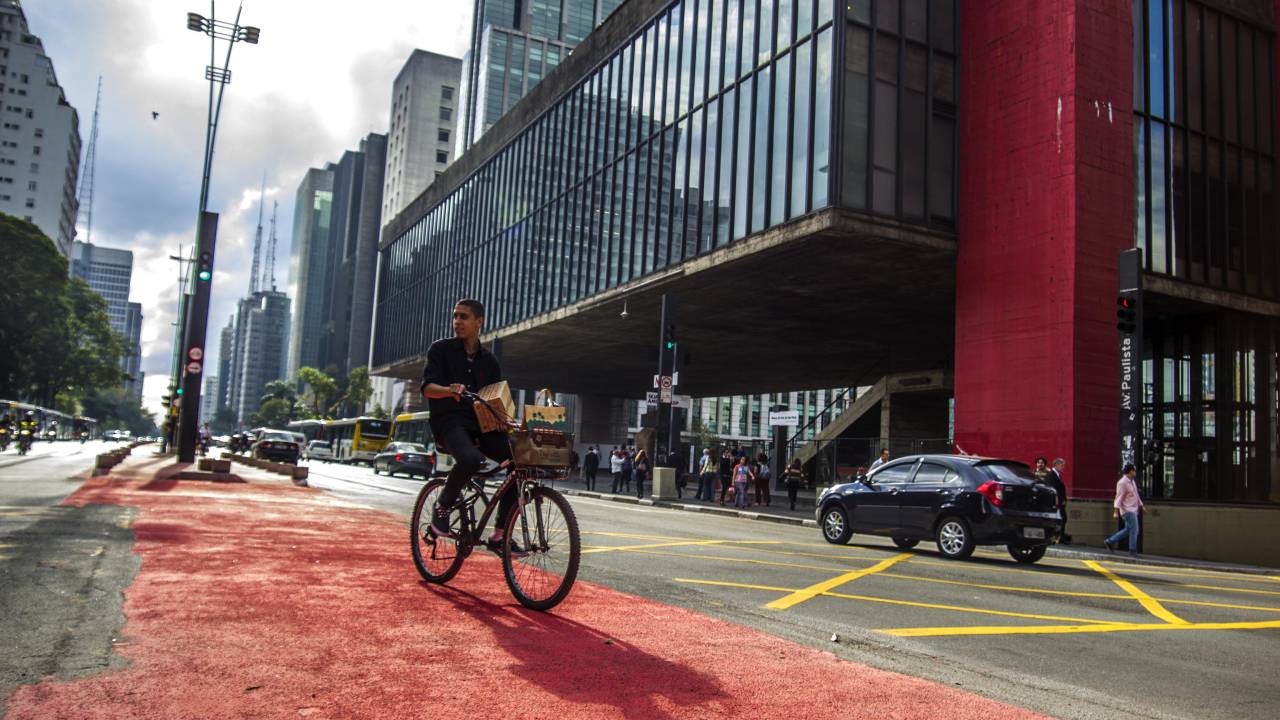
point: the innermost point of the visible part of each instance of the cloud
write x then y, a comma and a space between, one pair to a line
318, 82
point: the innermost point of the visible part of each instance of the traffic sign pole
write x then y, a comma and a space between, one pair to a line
193, 340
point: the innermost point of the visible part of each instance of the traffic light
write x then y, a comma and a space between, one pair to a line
1127, 314
204, 266
669, 336
179, 391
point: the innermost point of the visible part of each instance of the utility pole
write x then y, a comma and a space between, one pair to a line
667, 349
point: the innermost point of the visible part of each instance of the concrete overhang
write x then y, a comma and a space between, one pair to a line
831, 299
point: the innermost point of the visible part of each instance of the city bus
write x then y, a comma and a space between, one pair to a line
310, 429
357, 439
414, 427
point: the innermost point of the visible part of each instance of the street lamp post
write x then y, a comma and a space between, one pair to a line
192, 360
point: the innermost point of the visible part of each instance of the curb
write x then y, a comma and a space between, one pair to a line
1073, 552
675, 505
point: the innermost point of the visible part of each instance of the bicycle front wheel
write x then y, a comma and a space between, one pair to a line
438, 558
541, 549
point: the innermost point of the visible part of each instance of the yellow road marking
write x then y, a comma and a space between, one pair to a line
1148, 602
1063, 629
1227, 589
813, 591
1228, 606
749, 561
890, 601
1131, 569
615, 548
634, 536
1005, 588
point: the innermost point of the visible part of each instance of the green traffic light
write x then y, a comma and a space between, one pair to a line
205, 275
179, 391
671, 345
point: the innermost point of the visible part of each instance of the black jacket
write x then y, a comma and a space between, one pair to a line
1054, 480
447, 363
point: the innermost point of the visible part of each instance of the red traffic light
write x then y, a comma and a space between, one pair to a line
1127, 303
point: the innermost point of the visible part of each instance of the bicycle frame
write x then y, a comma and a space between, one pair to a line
519, 479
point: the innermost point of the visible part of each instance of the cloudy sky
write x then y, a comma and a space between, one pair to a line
319, 80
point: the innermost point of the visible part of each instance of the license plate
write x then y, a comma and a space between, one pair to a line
1033, 532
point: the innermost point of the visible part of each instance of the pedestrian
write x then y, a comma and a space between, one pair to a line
615, 467
590, 464
708, 468
1053, 479
641, 465
763, 478
884, 458
726, 473
1041, 469
742, 479
1128, 505
793, 477
628, 470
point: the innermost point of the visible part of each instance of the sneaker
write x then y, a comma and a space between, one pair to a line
440, 522
1110, 548
494, 545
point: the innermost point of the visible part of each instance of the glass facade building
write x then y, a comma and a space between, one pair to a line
714, 121
1204, 213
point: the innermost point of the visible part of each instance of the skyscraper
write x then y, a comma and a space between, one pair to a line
424, 101
259, 351
353, 254
109, 272
40, 154
226, 345
309, 268
513, 46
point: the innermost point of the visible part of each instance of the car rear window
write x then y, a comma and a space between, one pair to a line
1006, 471
412, 447
278, 436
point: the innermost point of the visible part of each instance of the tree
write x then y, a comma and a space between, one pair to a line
359, 390
224, 421
114, 408
273, 413
54, 330
320, 389
379, 412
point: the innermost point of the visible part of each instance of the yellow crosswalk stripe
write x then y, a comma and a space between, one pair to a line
1151, 604
1062, 629
813, 591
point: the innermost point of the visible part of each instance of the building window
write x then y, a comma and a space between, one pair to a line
442, 156
446, 93
442, 135
35, 149
31, 202
31, 185
446, 114
35, 167
1204, 152
39, 132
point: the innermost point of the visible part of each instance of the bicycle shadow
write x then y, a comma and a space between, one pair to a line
581, 664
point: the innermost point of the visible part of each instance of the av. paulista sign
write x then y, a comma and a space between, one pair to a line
1129, 323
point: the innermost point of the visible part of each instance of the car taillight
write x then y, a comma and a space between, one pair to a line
992, 491
399, 457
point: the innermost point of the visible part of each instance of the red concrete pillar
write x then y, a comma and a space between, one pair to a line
1046, 206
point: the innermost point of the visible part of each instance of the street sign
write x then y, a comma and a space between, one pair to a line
665, 394
195, 353
665, 383
651, 398
194, 368
787, 418
681, 401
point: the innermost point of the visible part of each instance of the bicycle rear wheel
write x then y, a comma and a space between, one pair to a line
541, 549
438, 558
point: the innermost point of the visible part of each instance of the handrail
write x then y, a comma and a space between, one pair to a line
791, 441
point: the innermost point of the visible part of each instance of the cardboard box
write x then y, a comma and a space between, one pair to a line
498, 397
544, 448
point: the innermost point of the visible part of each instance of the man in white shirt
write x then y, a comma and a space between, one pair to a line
884, 458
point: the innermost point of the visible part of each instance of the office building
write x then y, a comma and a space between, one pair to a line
353, 254
420, 143
259, 350
309, 275
513, 46
226, 348
109, 271
209, 399
39, 134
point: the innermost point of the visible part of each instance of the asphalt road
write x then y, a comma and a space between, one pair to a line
1072, 639
62, 569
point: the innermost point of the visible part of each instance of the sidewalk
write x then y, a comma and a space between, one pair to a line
778, 512
267, 600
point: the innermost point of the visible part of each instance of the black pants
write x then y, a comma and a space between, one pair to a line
1063, 509
591, 478
792, 489
461, 444
640, 483
726, 481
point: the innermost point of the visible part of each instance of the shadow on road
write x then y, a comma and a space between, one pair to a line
584, 665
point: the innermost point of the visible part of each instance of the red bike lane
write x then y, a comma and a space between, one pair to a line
266, 600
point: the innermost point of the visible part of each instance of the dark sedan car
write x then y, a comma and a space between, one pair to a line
405, 457
957, 501
277, 445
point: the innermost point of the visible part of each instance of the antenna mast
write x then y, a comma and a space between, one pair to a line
84, 198
257, 241
271, 250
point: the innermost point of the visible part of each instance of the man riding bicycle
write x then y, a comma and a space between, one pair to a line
456, 365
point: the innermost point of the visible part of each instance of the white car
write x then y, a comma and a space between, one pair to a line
318, 450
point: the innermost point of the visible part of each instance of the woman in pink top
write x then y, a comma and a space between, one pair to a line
1128, 504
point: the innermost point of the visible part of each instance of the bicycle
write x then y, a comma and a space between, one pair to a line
539, 569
